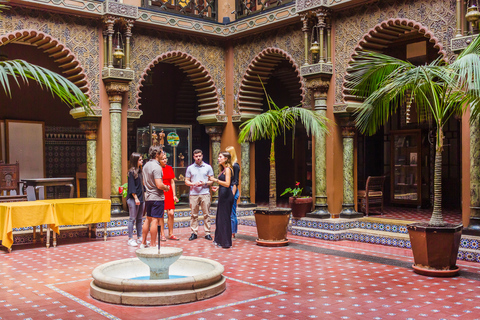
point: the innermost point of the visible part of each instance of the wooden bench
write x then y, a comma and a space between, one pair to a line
372, 196
14, 198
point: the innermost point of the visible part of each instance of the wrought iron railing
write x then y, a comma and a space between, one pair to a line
203, 9
245, 8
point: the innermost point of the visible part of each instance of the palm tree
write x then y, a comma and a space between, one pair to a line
49, 80
274, 122
440, 90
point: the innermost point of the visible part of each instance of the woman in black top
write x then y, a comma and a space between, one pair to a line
235, 179
135, 200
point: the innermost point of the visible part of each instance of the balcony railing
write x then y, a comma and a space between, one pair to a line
203, 9
244, 8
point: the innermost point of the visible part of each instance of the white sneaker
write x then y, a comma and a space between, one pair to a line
142, 246
139, 240
132, 243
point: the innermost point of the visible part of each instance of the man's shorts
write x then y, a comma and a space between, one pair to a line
155, 209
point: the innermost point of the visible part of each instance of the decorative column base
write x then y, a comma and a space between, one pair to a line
117, 206
214, 203
348, 212
473, 228
245, 203
320, 212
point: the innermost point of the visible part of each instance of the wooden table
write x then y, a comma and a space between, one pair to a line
47, 182
25, 214
77, 211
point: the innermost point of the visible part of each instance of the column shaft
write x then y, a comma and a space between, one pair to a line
474, 225
245, 177
348, 210
115, 155
92, 168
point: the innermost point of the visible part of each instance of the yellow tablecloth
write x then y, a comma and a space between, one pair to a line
77, 211
24, 214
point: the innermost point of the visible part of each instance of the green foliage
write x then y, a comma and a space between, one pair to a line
49, 80
297, 191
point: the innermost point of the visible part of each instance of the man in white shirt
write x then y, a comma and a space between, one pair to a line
197, 179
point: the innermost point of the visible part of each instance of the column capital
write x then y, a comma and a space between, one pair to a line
90, 127
348, 131
318, 86
115, 90
109, 22
215, 132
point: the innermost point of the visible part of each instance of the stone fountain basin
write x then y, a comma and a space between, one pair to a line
112, 282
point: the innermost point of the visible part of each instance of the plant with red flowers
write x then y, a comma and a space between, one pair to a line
123, 190
295, 191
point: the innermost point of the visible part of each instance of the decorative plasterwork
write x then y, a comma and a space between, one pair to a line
150, 18
52, 47
304, 5
120, 9
317, 69
460, 43
117, 74
251, 95
208, 100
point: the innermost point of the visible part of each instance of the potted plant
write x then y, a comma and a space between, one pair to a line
440, 90
272, 222
300, 205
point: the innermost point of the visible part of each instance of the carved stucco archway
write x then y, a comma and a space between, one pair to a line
62, 56
383, 35
209, 103
251, 95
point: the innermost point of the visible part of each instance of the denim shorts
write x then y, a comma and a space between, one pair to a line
155, 209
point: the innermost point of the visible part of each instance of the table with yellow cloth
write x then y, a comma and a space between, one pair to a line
75, 211
25, 214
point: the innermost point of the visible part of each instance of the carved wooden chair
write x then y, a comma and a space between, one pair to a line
9, 178
372, 196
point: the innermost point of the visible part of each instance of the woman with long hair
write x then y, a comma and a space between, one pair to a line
170, 196
135, 199
223, 230
235, 180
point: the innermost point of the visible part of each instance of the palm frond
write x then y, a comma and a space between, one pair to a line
49, 80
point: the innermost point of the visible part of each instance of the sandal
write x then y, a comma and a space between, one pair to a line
172, 237
163, 239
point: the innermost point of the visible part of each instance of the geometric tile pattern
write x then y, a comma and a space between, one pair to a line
309, 279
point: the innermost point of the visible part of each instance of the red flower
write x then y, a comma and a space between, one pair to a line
120, 190
297, 184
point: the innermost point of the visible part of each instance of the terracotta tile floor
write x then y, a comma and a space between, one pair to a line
310, 278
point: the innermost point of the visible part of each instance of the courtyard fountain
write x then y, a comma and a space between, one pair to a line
158, 276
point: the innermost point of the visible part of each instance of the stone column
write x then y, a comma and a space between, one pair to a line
245, 177
215, 133
329, 41
305, 30
109, 22
474, 225
348, 206
128, 36
458, 15
321, 14
90, 127
115, 91
320, 88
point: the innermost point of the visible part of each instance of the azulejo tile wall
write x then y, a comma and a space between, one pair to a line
351, 25
148, 44
290, 39
80, 35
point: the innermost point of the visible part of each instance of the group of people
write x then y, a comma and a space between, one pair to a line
151, 188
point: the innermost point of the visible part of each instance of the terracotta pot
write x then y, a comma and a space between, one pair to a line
300, 206
435, 248
272, 226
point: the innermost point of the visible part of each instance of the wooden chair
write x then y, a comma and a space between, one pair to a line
15, 198
372, 195
9, 178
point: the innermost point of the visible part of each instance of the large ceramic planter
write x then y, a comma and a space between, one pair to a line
272, 226
300, 206
435, 248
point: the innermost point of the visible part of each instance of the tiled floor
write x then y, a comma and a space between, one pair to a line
310, 278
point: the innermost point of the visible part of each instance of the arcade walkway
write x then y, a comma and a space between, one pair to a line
309, 279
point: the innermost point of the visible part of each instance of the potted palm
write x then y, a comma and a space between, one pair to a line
300, 205
440, 90
272, 222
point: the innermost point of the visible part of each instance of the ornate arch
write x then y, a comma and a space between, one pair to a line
63, 57
251, 95
384, 34
209, 102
